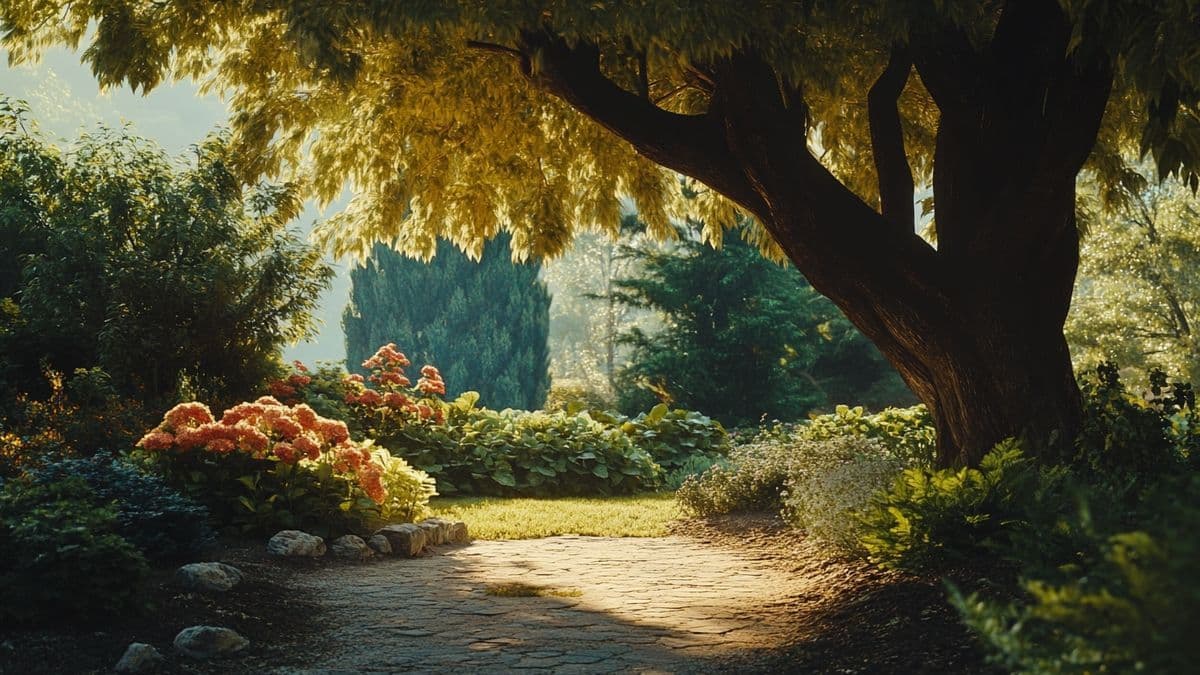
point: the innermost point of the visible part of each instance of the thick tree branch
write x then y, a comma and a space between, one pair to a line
690, 144
949, 67
887, 141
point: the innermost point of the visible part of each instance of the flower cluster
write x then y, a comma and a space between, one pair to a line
267, 429
393, 391
287, 388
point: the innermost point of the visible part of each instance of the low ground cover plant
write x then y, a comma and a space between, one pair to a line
163, 524
61, 558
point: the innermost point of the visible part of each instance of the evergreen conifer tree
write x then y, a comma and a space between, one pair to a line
483, 324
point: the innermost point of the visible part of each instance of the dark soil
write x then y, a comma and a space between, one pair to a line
278, 624
864, 620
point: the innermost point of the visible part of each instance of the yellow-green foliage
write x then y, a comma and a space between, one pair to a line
930, 519
499, 518
1133, 608
426, 110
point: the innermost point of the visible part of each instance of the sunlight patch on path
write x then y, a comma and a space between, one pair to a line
651, 604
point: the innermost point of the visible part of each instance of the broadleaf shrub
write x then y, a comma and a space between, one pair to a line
61, 558
760, 467
265, 466
1135, 607
475, 450
1129, 439
151, 515
674, 437
933, 519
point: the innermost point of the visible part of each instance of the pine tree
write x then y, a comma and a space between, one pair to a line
744, 339
484, 324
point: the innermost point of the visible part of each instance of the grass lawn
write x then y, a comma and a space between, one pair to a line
523, 518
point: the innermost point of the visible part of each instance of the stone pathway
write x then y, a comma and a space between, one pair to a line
640, 605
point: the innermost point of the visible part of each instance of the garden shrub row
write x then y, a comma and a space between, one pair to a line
472, 450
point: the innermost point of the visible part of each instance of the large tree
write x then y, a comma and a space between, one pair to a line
484, 322
460, 119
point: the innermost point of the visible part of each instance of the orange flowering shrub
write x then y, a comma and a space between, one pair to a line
266, 465
393, 395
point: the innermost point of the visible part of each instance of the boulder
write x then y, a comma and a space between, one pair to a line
435, 532
296, 544
458, 533
350, 546
406, 539
381, 544
208, 576
206, 642
139, 657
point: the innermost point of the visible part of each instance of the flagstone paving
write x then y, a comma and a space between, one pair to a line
662, 604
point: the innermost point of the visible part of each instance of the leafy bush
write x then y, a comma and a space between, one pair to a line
933, 519
829, 500
695, 465
265, 466
577, 397
1128, 439
473, 450
1133, 608
760, 467
60, 558
79, 416
512, 452
751, 481
162, 523
173, 278
907, 433
674, 437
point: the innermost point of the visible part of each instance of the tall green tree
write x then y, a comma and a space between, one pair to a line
484, 323
744, 338
168, 276
1137, 301
459, 119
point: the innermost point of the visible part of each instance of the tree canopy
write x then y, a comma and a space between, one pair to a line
459, 120
417, 104
1137, 303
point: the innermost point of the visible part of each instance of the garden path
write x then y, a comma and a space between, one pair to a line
663, 604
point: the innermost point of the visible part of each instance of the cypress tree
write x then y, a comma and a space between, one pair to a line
484, 324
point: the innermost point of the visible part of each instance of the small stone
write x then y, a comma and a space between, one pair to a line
294, 543
208, 576
350, 546
139, 657
406, 539
458, 533
381, 544
205, 642
435, 532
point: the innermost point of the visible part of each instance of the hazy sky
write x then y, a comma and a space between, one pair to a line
64, 98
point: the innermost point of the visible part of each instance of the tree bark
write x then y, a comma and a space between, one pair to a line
974, 326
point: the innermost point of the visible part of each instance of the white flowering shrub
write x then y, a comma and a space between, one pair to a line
828, 501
